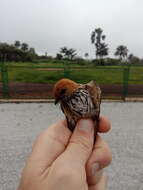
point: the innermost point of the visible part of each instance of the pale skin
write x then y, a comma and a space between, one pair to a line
62, 160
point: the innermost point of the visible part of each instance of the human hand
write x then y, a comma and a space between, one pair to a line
62, 160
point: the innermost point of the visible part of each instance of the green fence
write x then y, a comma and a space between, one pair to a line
4, 81
36, 81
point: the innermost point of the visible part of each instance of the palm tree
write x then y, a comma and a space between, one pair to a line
24, 47
121, 51
68, 53
97, 38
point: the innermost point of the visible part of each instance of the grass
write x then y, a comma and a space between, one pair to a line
29, 73
34, 76
102, 76
49, 64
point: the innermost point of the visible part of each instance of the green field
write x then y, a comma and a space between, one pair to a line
51, 72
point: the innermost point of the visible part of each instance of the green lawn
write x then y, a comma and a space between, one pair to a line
48, 64
42, 73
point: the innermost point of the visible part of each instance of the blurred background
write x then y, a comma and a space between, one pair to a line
42, 42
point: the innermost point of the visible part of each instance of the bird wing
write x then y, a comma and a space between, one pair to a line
70, 117
95, 93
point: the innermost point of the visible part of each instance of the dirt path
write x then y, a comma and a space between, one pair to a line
37, 90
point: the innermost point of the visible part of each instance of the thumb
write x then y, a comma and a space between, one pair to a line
81, 142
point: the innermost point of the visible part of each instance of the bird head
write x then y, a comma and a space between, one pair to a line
64, 88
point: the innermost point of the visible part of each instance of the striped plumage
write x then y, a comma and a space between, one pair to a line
82, 102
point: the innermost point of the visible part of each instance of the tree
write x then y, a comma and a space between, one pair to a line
68, 53
97, 38
130, 56
59, 56
24, 47
133, 59
46, 54
32, 53
17, 44
11, 52
86, 55
122, 52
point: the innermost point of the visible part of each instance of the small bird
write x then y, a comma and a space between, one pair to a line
78, 101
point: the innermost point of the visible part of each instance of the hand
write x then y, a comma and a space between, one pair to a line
61, 160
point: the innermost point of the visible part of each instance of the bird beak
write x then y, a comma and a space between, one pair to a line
57, 101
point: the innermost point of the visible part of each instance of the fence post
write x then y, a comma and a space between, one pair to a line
66, 70
126, 72
4, 77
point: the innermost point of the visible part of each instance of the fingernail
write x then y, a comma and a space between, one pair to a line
85, 125
95, 168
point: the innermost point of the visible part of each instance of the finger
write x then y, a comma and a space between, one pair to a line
104, 124
81, 143
102, 185
49, 145
101, 157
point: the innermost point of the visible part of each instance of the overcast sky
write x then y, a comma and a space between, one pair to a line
48, 25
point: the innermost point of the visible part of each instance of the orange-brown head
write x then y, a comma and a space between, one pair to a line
64, 88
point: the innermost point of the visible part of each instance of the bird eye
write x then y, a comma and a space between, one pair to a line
63, 91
